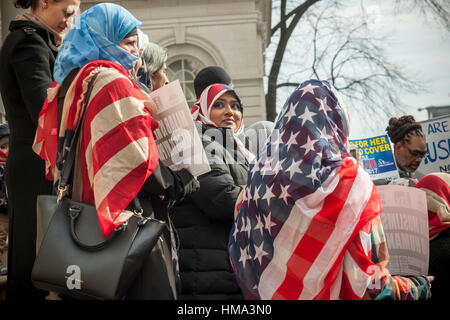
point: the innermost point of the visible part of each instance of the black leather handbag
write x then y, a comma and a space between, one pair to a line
75, 260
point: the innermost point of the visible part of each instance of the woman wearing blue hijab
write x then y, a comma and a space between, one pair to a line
96, 35
117, 158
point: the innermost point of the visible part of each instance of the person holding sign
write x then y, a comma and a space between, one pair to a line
204, 219
309, 226
409, 146
117, 154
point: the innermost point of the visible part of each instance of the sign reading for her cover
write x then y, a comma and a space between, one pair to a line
377, 157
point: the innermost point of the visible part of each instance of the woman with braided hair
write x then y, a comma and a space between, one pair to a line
409, 145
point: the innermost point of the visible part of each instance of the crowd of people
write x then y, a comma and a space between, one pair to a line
284, 213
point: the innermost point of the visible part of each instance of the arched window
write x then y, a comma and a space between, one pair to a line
184, 69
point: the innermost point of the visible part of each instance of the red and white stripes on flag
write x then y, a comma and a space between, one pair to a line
312, 260
46, 138
3, 157
437, 187
116, 150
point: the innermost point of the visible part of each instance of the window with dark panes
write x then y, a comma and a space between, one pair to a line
184, 69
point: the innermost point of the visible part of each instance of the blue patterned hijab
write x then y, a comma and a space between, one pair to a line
95, 36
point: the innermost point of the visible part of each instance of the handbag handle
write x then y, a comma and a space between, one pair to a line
70, 160
74, 212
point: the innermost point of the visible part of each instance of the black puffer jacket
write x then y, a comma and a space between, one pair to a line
203, 222
439, 265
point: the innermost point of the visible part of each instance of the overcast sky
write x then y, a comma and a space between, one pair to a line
423, 48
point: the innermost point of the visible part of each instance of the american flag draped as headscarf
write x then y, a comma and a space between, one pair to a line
305, 202
116, 150
202, 108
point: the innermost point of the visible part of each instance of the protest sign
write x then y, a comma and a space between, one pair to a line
437, 134
179, 145
405, 224
377, 157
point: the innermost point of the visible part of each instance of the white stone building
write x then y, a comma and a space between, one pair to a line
197, 33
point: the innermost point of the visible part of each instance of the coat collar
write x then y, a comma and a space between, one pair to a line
29, 26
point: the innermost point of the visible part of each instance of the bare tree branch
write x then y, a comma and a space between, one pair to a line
341, 50
298, 10
285, 34
288, 84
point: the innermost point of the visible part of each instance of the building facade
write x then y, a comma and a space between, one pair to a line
436, 111
198, 33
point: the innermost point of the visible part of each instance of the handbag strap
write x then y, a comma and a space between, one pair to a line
70, 160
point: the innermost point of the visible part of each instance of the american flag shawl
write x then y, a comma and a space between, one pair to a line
202, 108
116, 150
437, 187
3, 158
304, 207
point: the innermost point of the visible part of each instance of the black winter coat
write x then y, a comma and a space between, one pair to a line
173, 185
203, 223
439, 265
26, 67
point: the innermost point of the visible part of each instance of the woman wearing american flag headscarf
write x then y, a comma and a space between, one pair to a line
204, 220
117, 158
309, 227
